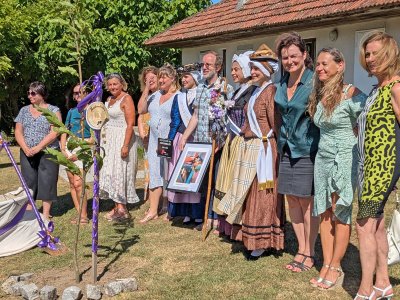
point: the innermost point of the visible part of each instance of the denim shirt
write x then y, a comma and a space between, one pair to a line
298, 131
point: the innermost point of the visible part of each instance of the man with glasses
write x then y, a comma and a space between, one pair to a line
199, 122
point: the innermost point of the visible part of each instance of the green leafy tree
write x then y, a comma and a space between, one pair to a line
47, 40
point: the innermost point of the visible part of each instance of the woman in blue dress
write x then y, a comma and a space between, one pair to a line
159, 106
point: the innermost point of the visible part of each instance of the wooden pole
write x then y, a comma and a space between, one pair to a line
210, 178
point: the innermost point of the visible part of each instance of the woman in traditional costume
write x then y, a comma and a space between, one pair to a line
183, 204
236, 116
252, 199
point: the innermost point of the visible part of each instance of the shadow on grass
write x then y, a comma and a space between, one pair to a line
113, 253
64, 204
7, 165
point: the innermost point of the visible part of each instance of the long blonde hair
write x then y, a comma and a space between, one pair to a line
331, 90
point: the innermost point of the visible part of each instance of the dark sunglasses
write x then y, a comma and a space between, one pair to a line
33, 94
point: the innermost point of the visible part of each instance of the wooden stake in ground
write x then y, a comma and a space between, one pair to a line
210, 178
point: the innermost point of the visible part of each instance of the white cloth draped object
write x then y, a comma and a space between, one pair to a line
264, 160
22, 236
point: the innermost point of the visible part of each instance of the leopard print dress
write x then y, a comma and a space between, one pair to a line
379, 150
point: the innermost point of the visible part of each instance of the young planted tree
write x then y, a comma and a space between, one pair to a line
65, 33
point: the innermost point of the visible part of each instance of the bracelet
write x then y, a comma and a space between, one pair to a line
125, 146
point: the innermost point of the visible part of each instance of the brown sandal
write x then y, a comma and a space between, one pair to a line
120, 216
84, 221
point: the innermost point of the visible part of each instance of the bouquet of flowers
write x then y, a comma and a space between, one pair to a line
217, 112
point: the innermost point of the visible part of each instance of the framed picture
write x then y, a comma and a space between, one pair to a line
190, 168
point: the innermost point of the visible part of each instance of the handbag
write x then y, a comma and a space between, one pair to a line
393, 235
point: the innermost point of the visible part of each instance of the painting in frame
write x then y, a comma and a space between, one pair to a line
190, 168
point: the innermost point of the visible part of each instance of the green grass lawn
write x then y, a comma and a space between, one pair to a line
170, 260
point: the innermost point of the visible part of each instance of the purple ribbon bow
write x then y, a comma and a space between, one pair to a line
96, 94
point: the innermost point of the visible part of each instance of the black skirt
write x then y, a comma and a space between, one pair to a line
296, 176
41, 175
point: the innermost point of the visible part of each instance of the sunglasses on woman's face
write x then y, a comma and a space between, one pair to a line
33, 94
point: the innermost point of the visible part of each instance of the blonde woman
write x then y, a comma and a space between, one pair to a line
379, 149
334, 107
117, 177
159, 106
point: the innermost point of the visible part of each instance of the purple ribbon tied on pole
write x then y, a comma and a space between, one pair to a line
96, 94
96, 81
48, 240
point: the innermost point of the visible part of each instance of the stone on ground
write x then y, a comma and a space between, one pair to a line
48, 292
93, 292
72, 293
26, 277
129, 284
6, 286
113, 288
29, 291
16, 288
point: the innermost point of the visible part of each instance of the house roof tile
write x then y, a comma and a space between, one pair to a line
224, 21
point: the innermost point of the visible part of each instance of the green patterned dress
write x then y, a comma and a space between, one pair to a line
379, 150
336, 160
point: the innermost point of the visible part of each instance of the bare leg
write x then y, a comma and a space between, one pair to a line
327, 231
74, 195
297, 218
46, 209
342, 238
154, 199
310, 227
366, 230
382, 275
78, 191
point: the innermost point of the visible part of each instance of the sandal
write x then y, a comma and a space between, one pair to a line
301, 266
363, 297
316, 280
293, 263
384, 291
120, 216
330, 285
148, 218
84, 221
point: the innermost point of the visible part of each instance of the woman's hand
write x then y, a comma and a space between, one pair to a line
73, 157
124, 151
27, 151
35, 150
182, 143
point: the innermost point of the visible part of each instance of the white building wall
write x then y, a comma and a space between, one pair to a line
345, 42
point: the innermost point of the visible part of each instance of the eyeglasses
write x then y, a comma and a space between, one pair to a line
76, 94
207, 65
33, 94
